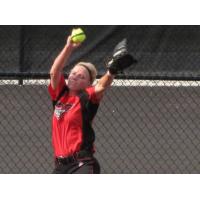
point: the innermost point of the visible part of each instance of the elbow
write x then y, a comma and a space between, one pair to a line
54, 75
54, 71
100, 88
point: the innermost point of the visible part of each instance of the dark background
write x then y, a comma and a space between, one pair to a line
161, 50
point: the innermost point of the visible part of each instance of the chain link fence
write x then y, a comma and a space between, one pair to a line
148, 121
141, 127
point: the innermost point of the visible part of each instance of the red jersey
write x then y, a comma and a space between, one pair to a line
71, 122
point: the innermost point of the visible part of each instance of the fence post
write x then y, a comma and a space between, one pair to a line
21, 53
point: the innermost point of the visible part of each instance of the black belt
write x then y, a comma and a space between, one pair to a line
73, 158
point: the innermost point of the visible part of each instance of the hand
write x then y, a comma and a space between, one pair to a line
121, 58
72, 45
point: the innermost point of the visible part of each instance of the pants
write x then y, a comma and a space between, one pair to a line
81, 166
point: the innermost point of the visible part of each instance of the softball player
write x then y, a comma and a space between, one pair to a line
76, 102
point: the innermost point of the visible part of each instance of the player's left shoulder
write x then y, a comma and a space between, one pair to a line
93, 94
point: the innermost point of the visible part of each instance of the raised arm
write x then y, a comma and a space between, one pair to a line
60, 61
120, 60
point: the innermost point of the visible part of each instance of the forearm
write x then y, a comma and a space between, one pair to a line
61, 60
106, 80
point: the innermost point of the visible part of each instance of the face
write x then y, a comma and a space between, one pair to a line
79, 78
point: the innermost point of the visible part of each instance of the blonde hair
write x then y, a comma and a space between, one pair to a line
91, 69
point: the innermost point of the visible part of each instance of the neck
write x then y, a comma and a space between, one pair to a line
73, 92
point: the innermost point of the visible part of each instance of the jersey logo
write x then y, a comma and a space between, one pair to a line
61, 108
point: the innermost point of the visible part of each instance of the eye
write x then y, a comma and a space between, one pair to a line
73, 73
81, 77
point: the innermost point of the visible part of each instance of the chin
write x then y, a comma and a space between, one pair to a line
73, 88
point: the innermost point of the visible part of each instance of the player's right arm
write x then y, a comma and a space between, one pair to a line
60, 62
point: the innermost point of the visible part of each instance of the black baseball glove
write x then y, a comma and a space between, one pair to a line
120, 59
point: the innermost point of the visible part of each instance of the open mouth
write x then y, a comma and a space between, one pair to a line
72, 80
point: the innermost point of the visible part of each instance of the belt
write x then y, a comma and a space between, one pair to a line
73, 158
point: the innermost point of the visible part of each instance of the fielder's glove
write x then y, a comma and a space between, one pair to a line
120, 59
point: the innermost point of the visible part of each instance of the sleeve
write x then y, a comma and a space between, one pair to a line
92, 95
54, 93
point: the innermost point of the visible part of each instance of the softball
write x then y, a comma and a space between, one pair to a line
78, 35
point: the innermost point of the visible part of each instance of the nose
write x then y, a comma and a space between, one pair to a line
73, 77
